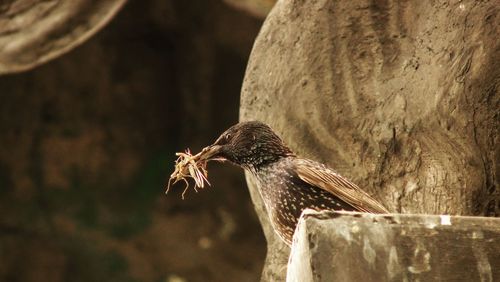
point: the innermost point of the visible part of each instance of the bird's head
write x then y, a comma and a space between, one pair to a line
247, 144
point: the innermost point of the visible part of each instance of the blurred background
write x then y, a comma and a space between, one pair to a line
88, 140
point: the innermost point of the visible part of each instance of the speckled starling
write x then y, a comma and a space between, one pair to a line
287, 184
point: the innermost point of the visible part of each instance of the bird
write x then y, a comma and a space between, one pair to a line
287, 184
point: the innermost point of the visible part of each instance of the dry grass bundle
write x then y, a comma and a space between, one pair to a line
189, 166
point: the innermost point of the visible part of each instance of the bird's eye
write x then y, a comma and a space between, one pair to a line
228, 136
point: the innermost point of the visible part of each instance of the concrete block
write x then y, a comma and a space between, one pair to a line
349, 246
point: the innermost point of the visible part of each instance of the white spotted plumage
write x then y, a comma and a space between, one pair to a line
288, 184
286, 196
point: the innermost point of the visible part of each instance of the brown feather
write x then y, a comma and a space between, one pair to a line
332, 182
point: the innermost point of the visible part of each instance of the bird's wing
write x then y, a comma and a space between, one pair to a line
322, 177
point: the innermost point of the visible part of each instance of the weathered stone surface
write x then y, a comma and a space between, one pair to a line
35, 31
399, 96
365, 247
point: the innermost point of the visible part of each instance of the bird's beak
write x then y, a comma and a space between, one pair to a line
211, 153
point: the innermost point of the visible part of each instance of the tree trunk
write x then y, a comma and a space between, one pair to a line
399, 96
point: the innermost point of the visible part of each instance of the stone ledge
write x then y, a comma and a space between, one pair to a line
347, 246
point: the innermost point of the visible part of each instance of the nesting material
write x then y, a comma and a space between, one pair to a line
189, 166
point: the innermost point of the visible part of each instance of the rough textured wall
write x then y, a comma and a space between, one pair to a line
399, 96
87, 142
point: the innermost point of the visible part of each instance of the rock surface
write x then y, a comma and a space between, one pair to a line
365, 247
399, 96
35, 31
